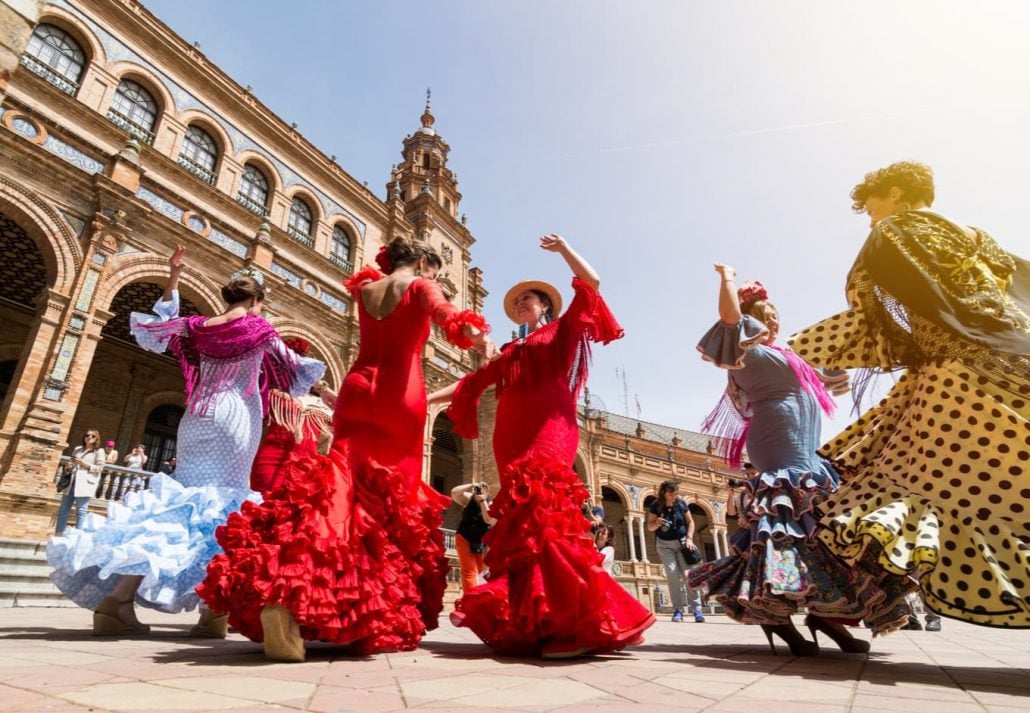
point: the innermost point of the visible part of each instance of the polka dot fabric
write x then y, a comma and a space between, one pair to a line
166, 534
935, 477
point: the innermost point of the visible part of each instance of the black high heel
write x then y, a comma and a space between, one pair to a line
842, 637
798, 644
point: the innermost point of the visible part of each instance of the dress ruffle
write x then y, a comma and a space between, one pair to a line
165, 534
361, 278
599, 323
778, 565
546, 589
726, 345
454, 327
324, 546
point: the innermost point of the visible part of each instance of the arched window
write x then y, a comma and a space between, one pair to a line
135, 110
56, 57
253, 189
339, 252
199, 153
299, 224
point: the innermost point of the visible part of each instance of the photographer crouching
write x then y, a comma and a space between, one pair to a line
475, 522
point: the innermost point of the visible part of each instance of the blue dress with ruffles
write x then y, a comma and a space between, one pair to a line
776, 565
166, 534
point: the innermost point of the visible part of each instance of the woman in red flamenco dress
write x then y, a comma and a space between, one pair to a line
348, 549
546, 593
295, 425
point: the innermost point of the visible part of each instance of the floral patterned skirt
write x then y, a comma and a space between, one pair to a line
778, 566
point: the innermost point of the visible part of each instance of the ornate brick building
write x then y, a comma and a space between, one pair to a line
118, 141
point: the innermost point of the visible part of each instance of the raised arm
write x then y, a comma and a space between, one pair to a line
555, 243
175, 263
463, 328
729, 303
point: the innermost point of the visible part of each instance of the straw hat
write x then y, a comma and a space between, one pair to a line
539, 286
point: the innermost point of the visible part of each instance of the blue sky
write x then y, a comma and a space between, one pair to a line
658, 137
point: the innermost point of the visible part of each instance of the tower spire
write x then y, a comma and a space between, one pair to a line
427, 115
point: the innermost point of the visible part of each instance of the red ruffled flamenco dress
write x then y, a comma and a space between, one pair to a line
350, 543
546, 593
295, 427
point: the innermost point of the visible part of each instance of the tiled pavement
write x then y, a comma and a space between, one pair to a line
49, 662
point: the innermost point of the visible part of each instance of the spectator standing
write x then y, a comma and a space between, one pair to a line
86, 464
475, 522
670, 519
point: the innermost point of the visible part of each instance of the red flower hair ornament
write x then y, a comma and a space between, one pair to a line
383, 260
298, 345
750, 292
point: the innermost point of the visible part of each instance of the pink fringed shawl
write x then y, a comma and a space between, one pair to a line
730, 420
224, 349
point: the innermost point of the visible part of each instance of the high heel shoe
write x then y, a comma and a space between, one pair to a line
282, 635
210, 626
108, 621
798, 644
841, 636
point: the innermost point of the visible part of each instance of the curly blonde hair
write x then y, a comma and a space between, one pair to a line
914, 179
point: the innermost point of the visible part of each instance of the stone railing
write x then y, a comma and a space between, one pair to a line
250, 204
57, 79
115, 481
119, 119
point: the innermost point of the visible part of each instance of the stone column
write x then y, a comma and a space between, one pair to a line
630, 535
725, 542
643, 540
717, 540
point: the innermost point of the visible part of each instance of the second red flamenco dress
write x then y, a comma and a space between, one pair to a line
350, 543
546, 593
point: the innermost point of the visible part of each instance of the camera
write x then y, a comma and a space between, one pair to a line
477, 489
733, 483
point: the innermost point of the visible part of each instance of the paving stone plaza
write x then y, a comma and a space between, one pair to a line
50, 662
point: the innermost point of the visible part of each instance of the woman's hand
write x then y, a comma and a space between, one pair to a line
725, 271
552, 242
176, 261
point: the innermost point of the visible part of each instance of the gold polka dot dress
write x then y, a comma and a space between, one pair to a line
935, 481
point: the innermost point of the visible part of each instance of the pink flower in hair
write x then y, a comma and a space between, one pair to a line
752, 291
383, 260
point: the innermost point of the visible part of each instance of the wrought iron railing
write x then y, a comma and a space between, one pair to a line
48, 73
340, 262
119, 119
250, 204
300, 237
201, 172
115, 481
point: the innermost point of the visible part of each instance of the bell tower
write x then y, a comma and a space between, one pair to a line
424, 168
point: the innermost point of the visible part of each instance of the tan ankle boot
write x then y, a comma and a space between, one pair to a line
210, 626
282, 635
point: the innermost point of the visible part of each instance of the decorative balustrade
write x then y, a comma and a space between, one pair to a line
58, 80
340, 262
250, 204
197, 170
300, 237
115, 481
119, 119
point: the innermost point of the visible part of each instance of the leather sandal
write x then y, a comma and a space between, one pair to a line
107, 620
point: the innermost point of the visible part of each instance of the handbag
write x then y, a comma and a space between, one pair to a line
690, 556
65, 479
